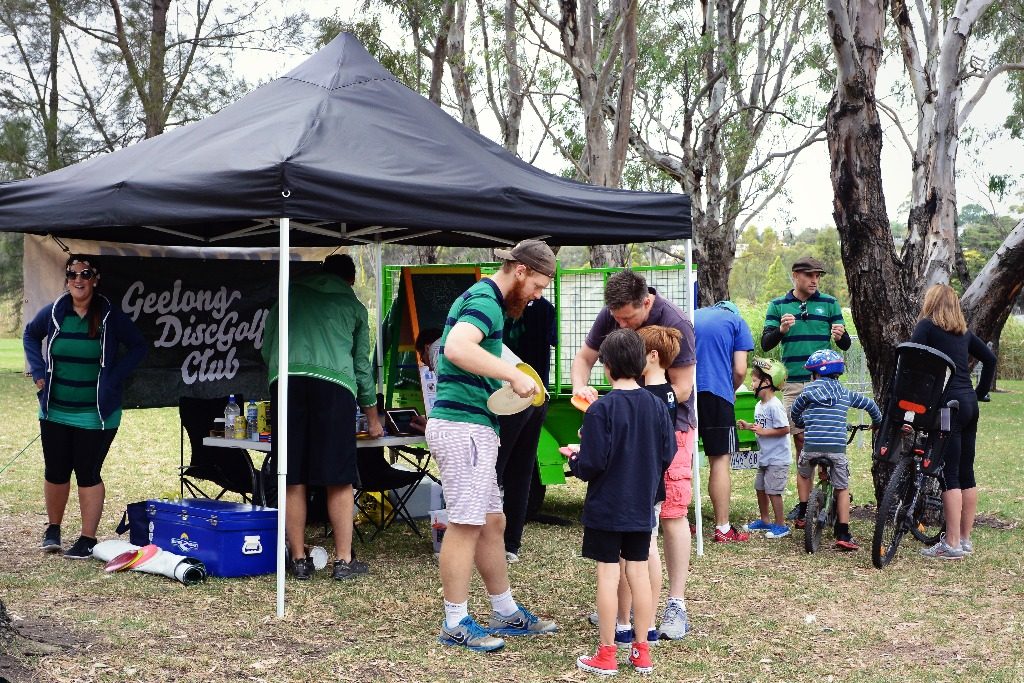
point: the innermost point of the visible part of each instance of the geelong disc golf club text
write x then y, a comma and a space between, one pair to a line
217, 335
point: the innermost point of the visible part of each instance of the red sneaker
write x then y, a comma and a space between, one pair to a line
640, 658
800, 522
733, 535
603, 662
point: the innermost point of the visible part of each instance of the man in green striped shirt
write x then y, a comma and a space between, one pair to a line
462, 433
804, 320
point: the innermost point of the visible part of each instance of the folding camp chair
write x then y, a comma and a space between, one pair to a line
377, 476
226, 469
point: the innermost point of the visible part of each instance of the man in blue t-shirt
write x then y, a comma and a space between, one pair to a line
723, 341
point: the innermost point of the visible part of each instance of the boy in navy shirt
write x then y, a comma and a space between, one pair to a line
627, 443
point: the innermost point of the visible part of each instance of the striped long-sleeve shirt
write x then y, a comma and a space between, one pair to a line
821, 408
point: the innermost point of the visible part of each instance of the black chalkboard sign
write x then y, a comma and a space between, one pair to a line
430, 293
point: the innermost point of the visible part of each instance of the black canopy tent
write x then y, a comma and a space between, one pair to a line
335, 152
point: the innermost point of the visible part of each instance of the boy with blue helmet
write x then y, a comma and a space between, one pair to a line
821, 409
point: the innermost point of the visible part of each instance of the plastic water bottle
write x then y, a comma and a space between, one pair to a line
251, 413
231, 411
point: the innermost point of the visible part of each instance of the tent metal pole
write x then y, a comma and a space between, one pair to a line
281, 408
378, 254
691, 306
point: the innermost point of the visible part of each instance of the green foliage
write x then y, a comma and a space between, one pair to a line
400, 63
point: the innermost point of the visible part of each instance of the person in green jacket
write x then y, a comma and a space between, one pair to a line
328, 371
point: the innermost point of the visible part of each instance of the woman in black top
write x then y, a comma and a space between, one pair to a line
942, 326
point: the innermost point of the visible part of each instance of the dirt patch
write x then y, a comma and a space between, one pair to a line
867, 512
22, 641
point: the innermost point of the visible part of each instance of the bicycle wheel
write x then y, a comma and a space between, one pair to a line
891, 522
815, 519
929, 521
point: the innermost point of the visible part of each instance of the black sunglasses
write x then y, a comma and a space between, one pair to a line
86, 274
803, 310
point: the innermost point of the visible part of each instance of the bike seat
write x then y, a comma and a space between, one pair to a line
823, 462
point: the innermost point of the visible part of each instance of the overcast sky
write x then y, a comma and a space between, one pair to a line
809, 200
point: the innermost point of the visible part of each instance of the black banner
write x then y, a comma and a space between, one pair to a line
203, 320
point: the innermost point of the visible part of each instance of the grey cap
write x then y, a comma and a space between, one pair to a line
532, 253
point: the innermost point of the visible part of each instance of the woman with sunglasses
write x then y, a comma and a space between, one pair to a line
72, 347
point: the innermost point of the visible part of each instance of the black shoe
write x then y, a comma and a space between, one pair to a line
51, 539
346, 570
302, 568
794, 513
82, 549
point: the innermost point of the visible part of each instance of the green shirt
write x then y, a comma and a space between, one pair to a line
811, 331
462, 396
76, 370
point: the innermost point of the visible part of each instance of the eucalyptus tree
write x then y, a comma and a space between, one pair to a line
173, 60
595, 43
885, 286
719, 81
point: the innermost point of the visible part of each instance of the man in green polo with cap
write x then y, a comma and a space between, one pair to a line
804, 320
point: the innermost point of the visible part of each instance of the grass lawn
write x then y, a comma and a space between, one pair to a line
762, 611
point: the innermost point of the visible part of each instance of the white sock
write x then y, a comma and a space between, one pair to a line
622, 627
503, 603
724, 528
680, 602
454, 612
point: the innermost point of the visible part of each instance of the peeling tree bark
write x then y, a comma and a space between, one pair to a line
883, 302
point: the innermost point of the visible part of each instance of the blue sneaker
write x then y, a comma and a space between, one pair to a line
522, 622
777, 531
758, 525
623, 637
652, 636
469, 635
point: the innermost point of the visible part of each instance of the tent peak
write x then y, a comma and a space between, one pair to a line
341, 63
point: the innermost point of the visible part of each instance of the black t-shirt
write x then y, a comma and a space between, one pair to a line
531, 336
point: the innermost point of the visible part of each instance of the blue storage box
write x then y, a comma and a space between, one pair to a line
231, 539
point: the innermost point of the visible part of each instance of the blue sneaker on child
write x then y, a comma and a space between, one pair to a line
758, 525
777, 531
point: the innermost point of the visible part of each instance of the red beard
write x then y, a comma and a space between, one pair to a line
516, 300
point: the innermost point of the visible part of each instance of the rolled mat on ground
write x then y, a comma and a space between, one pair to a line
187, 570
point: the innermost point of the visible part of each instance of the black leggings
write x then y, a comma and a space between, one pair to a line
68, 448
958, 459
517, 459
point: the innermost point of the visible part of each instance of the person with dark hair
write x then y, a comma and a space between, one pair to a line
328, 372
462, 433
530, 337
427, 346
631, 304
803, 320
626, 445
942, 326
72, 347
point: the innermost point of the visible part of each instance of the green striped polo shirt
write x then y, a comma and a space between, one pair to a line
76, 369
811, 331
462, 396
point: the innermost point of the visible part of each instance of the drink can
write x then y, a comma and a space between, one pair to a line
240, 427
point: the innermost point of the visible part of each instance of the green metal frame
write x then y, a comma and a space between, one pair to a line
563, 420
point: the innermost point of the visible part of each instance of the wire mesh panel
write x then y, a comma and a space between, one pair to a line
581, 298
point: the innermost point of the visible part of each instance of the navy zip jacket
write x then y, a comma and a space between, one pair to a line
626, 444
822, 407
116, 329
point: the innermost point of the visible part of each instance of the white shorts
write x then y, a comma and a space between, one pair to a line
466, 454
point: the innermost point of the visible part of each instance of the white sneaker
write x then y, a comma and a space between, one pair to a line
511, 557
966, 546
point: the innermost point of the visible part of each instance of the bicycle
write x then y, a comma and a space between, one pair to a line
913, 496
821, 503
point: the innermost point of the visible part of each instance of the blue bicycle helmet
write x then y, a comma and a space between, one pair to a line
826, 363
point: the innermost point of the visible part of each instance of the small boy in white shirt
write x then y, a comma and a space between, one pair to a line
772, 430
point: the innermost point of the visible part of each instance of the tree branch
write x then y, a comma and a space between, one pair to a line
982, 89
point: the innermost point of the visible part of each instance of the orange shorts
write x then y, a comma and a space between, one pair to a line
679, 478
